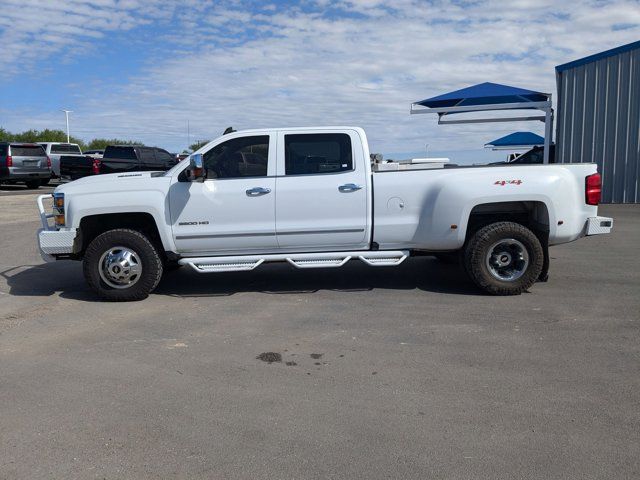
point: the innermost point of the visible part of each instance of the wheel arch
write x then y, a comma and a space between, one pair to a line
533, 214
93, 225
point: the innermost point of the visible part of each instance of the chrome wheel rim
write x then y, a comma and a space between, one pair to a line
120, 267
507, 260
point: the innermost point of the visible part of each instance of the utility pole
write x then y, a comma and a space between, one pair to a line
66, 116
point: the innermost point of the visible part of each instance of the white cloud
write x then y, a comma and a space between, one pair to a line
308, 65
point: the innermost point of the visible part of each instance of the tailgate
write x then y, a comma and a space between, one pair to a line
28, 157
76, 166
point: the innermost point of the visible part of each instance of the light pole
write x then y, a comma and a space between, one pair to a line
66, 116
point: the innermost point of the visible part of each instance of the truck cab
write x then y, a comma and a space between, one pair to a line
322, 199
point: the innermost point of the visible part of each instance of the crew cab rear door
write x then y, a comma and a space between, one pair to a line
322, 191
233, 210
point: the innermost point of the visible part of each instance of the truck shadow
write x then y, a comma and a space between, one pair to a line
416, 273
48, 279
424, 273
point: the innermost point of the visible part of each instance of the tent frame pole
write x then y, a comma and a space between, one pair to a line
548, 129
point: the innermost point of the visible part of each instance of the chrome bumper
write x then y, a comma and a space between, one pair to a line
599, 225
50, 240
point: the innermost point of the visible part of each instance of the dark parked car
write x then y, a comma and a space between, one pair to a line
117, 159
24, 163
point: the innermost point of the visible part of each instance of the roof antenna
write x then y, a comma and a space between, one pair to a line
228, 130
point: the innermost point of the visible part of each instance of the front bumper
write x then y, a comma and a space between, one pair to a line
52, 241
599, 225
55, 242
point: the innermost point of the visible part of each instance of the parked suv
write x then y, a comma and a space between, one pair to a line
24, 163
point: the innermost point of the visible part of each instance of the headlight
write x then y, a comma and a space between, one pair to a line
58, 209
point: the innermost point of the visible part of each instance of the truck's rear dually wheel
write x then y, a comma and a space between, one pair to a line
122, 265
504, 258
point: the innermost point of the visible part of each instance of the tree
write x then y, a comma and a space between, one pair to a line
48, 135
33, 135
5, 136
198, 145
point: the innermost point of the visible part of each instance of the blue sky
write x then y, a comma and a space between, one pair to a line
143, 69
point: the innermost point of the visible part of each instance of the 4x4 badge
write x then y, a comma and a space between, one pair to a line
507, 182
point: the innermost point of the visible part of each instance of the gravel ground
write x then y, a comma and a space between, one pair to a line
345, 373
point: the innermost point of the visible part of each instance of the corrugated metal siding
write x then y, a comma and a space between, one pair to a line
598, 120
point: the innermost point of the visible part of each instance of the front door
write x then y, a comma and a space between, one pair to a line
322, 201
233, 210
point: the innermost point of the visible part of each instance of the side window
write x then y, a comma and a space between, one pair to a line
164, 157
146, 156
317, 153
3, 150
240, 157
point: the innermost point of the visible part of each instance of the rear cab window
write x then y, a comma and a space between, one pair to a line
65, 148
27, 151
125, 153
317, 153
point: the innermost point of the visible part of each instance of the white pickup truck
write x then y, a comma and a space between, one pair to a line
55, 150
314, 198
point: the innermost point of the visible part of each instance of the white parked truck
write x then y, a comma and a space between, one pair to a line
55, 150
313, 197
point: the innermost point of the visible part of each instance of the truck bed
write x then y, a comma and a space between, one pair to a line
428, 208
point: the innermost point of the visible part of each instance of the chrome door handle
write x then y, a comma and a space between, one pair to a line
257, 191
349, 187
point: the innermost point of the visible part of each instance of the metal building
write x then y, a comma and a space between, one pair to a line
598, 118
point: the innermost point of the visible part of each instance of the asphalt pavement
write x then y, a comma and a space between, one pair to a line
407, 372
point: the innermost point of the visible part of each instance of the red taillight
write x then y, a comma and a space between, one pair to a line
95, 167
593, 189
9, 161
48, 161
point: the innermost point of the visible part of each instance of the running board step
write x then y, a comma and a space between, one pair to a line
226, 266
299, 260
318, 262
384, 261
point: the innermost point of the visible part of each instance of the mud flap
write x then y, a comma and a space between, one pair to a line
544, 241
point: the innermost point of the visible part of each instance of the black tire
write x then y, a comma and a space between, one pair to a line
478, 253
45, 181
149, 260
32, 184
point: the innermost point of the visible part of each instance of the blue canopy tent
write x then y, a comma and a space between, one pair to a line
490, 97
516, 141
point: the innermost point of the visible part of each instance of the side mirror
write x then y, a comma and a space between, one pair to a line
195, 172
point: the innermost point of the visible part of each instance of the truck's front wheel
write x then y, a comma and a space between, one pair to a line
504, 258
122, 265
